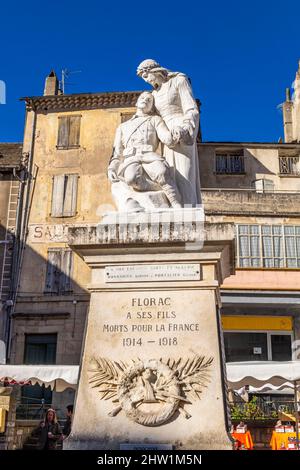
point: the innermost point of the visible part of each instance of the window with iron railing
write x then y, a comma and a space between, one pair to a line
289, 166
268, 246
228, 164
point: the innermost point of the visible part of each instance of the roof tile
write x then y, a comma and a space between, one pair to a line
10, 155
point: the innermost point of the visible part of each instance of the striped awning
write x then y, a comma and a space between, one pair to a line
59, 377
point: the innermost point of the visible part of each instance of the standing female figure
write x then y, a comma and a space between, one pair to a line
175, 103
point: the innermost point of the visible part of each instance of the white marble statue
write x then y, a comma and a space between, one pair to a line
135, 163
176, 105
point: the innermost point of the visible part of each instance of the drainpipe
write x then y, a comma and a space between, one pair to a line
20, 239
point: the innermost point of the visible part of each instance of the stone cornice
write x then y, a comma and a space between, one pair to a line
249, 202
181, 226
82, 101
230, 145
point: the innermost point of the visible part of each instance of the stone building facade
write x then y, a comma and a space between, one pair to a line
69, 140
256, 187
11, 169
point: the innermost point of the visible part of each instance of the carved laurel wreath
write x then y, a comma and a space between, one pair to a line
169, 385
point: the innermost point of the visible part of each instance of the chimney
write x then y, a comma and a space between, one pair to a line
51, 84
296, 107
287, 110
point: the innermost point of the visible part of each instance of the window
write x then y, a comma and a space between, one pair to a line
268, 246
68, 132
245, 347
59, 271
35, 399
253, 346
40, 349
64, 195
281, 347
263, 185
289, 166
230, 164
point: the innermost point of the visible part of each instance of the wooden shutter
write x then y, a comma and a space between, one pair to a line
68, 131
74, 131
63, 132
70, 195
53, 271
66, 271
64, 195
58, 195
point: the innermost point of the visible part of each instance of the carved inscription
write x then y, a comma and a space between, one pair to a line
153, 272
151, 320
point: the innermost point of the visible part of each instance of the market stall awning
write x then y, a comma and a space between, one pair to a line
59, 377
259, 375
263, 375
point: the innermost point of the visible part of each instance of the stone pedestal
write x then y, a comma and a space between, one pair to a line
152, 371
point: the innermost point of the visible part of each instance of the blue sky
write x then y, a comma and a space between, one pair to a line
240, 56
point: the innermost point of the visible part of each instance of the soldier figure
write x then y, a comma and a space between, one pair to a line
134, 158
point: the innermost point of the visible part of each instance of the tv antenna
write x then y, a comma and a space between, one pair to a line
65, 74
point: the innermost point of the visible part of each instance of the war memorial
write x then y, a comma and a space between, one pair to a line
153, 371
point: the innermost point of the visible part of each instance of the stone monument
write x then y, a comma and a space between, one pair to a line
152, 372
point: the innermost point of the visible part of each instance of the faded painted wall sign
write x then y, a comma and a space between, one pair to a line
46, 233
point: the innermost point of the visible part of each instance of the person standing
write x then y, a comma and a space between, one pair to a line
68, 425
48, 431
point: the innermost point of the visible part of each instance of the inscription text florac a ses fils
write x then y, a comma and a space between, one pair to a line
150, 315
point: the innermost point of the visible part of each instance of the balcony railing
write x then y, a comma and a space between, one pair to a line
289, 166
36, 412
261, 409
